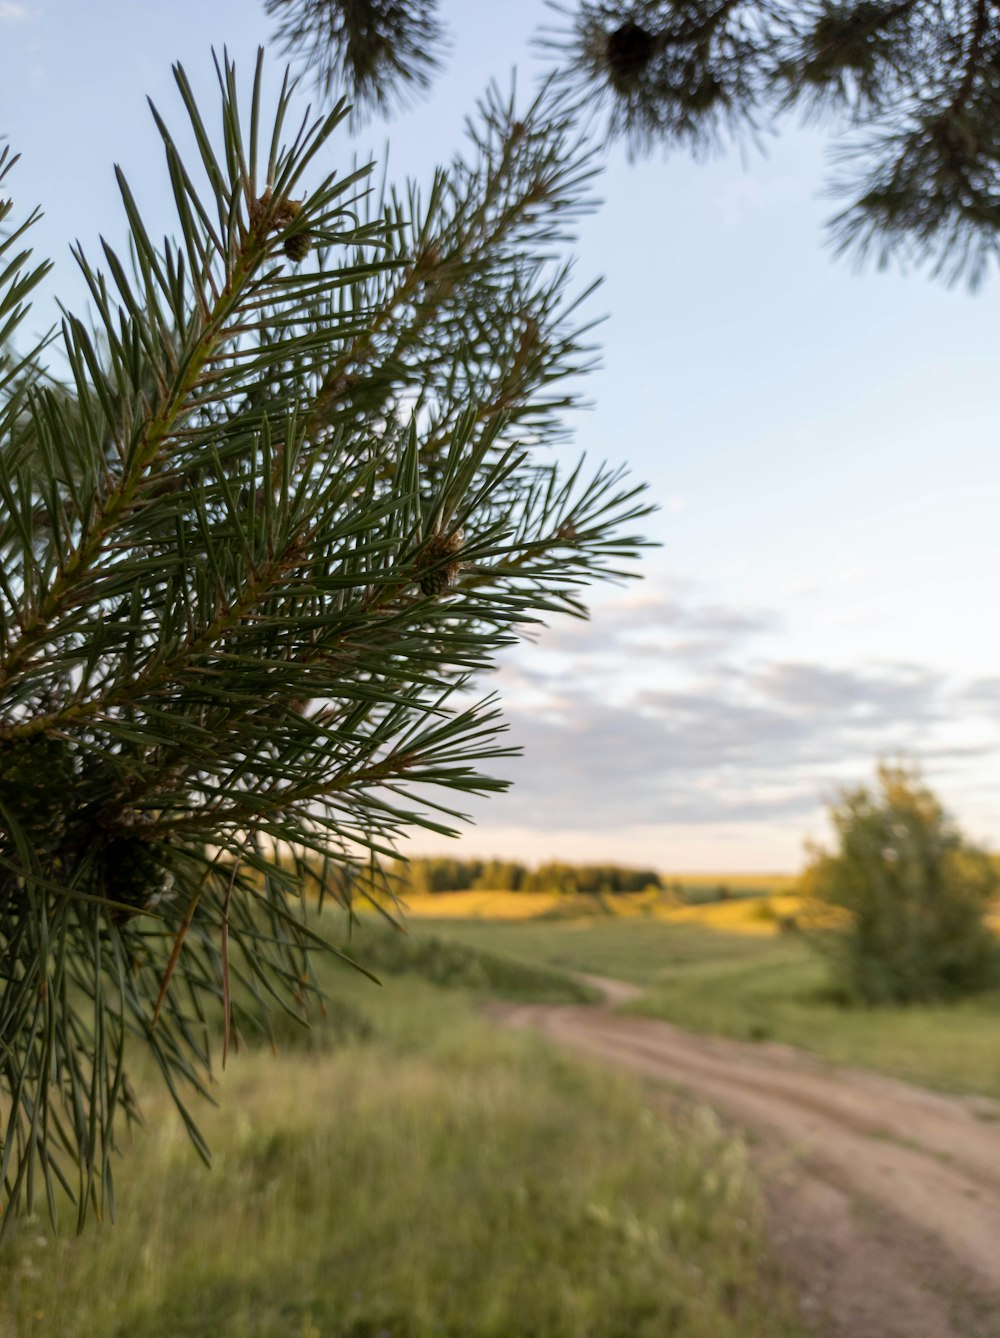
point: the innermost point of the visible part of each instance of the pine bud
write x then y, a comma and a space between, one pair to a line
271, 215
440, 573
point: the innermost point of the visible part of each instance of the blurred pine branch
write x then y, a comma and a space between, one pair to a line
912, 88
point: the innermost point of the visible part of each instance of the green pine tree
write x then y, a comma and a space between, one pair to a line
259, 544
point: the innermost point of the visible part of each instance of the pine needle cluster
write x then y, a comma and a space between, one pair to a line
257, 547
914, 84
380, 52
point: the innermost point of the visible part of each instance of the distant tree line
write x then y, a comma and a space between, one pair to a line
421, 876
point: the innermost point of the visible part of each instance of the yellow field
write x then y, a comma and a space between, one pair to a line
742, 915
747, 915
767, 882
482, 905
735, 915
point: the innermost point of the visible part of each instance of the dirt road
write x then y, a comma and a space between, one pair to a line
884, 1198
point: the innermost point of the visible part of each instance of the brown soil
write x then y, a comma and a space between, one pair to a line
884, 1198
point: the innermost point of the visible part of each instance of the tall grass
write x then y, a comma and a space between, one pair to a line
442, 1178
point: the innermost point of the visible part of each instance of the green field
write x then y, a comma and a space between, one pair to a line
638, 950
760, 988
443, 1177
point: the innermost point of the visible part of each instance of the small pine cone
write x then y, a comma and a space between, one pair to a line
627, 52
441, 574
131, 874
437, 582
298, 246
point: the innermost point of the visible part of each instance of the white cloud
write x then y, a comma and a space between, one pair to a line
667, 713
12, 12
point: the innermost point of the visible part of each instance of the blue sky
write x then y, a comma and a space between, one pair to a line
821, 442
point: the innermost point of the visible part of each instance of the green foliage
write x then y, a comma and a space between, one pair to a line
256, 553
589, 879
444, 1180
445, 962
375, 51
914, 86
441, 874
907, 895
499, 876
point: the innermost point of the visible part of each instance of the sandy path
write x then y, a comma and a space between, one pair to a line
885, 1198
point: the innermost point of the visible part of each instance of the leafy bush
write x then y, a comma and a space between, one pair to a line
901, 904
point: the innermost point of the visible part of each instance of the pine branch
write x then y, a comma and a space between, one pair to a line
913, 84
379, 51
255, 558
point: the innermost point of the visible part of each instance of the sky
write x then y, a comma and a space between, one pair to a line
820, 441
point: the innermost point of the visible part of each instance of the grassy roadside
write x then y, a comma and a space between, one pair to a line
445, 961
754, 987
441, 1178
640, 951
784, 996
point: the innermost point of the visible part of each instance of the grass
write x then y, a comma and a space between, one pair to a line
386, 952
764, 988
783, 994
441, 1178
640, 951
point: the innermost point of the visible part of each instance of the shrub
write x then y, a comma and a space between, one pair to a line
901, 903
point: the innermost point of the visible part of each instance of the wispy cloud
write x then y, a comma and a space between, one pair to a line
12, 12
669, 710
